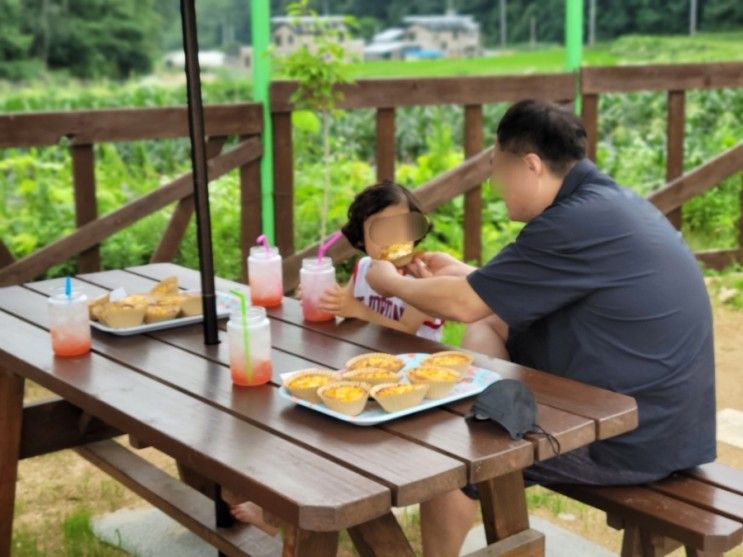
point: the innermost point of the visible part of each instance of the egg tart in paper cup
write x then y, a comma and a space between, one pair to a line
376, 360
394, 397
441, 380
305, 383
345, 397
371, 375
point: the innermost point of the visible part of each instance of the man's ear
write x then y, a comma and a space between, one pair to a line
534, 163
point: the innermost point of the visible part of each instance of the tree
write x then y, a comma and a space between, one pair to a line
15, 42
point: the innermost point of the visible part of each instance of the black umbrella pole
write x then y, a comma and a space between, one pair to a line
198, 162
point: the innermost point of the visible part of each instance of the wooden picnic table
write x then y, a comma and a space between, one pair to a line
318, 476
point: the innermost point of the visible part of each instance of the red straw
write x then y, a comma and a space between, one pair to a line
262, 240
326, 246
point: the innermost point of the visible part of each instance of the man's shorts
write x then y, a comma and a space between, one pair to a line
575, 467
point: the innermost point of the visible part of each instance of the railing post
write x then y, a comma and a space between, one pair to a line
86, 207
590, 116
675, 145
473, 144
251, 223
283, 178
385, 144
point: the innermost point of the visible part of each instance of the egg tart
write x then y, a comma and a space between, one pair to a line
372, 375
95, 307
166, 286
346, 397
192, 304
441, 380
376, 360
120, 315
458, 361
156, 313
394, 397
400, 254
304, 384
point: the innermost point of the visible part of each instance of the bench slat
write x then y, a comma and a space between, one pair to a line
661, 514
187, 506
703, 495
720, 475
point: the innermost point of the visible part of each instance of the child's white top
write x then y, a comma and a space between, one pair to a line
391, 308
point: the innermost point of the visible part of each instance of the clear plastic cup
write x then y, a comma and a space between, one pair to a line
259, 333
315, 277
265, 277
69, 324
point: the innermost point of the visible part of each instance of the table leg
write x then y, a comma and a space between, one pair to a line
505, 514
11, 417
303, 543
381, 537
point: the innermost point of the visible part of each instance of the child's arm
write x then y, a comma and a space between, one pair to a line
341, 302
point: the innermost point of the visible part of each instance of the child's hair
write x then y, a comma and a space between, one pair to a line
371, 201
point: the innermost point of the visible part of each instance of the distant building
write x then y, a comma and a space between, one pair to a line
290, 33
208, 59
457, 36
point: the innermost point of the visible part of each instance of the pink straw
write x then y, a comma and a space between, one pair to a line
326, 246
262, 240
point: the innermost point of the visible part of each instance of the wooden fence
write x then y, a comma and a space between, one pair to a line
85, 128
385, 96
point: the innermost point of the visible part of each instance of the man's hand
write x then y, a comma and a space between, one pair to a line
438, 264
340, 301
382, 277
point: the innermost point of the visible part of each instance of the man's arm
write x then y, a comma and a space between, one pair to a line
445, 297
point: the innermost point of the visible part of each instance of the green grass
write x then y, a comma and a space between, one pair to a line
631, 49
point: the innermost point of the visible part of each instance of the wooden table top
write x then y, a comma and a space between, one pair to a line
170, 390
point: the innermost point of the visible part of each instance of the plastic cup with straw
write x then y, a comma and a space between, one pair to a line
316, 277
69, 323
265, 274
245, 334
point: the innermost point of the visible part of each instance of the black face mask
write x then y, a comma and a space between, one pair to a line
510, 404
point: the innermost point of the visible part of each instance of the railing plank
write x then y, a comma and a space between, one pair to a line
86, 206
698, 180
94, 232
473, 143
590, 116
125, 124
6, 258
170, 242
661, 77
251, 223
675, 145
385, 144
283, 181
390, 93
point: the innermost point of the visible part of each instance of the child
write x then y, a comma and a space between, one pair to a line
357, 299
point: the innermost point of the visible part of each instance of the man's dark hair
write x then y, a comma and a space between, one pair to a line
371, 201
554, 133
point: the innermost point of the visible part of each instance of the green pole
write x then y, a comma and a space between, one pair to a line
260, 28
574, 40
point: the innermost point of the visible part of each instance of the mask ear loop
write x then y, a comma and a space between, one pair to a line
553, 441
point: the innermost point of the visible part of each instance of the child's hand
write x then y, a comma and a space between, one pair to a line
339, 301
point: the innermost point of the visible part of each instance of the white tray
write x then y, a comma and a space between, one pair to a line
225, 305
474, 382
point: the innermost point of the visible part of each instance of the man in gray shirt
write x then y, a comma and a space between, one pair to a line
597, 287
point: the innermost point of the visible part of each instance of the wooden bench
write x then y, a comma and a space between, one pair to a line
700, 509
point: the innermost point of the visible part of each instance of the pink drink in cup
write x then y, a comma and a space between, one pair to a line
69, 324
315, 277
266, 278
254, 368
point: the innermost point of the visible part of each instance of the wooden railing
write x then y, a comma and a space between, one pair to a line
385, 95
675, 80
85, 128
